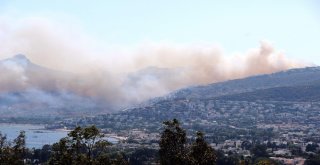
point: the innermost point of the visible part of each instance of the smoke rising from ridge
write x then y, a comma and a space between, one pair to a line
121, 75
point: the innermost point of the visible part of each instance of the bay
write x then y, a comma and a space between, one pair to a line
36, 135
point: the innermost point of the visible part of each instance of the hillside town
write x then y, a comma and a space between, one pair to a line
288, 129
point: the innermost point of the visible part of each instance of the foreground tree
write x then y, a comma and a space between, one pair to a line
201, 152
82, 146
313, 160
61, 153
19, 148
175, 151
13, 154
172, 144
4, 146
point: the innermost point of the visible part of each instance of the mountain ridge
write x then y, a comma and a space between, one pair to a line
292, 77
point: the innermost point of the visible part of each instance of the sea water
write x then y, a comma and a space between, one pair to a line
36, 135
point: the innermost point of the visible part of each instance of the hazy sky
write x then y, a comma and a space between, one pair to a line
290, 25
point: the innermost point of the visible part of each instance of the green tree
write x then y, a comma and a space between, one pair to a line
295, 150
259, 150
312, 147
13, 154
120, 160
61, 153
5, 150
172, 144
142, 155
313, 160
246, 145
201, 152
82, 146
19, 149
3, 146
45, 153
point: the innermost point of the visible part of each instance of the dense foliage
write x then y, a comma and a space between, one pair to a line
175, 151
82, 146
13, 153
172, 144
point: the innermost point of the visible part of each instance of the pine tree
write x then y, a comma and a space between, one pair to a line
172, 144
201, 152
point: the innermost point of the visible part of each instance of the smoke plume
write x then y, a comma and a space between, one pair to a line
118, 74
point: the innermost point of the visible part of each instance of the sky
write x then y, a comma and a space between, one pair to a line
293, 26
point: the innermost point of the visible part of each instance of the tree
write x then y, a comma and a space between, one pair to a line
174, 149
295, 150
13, 154
246, 145
5, 150
3, 146
259, 150
172, 144
120, 160
312, 147
61, 153
201, 153
82, 146
45, 153
313, 160
19, 148
83, 142
142, 155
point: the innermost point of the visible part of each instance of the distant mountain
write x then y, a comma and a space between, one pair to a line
305, 93
294, 77
30, 90
20, 73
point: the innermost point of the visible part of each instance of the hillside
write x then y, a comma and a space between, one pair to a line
293, 77
308, 93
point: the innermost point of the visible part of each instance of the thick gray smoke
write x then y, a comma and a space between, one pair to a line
120, 75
